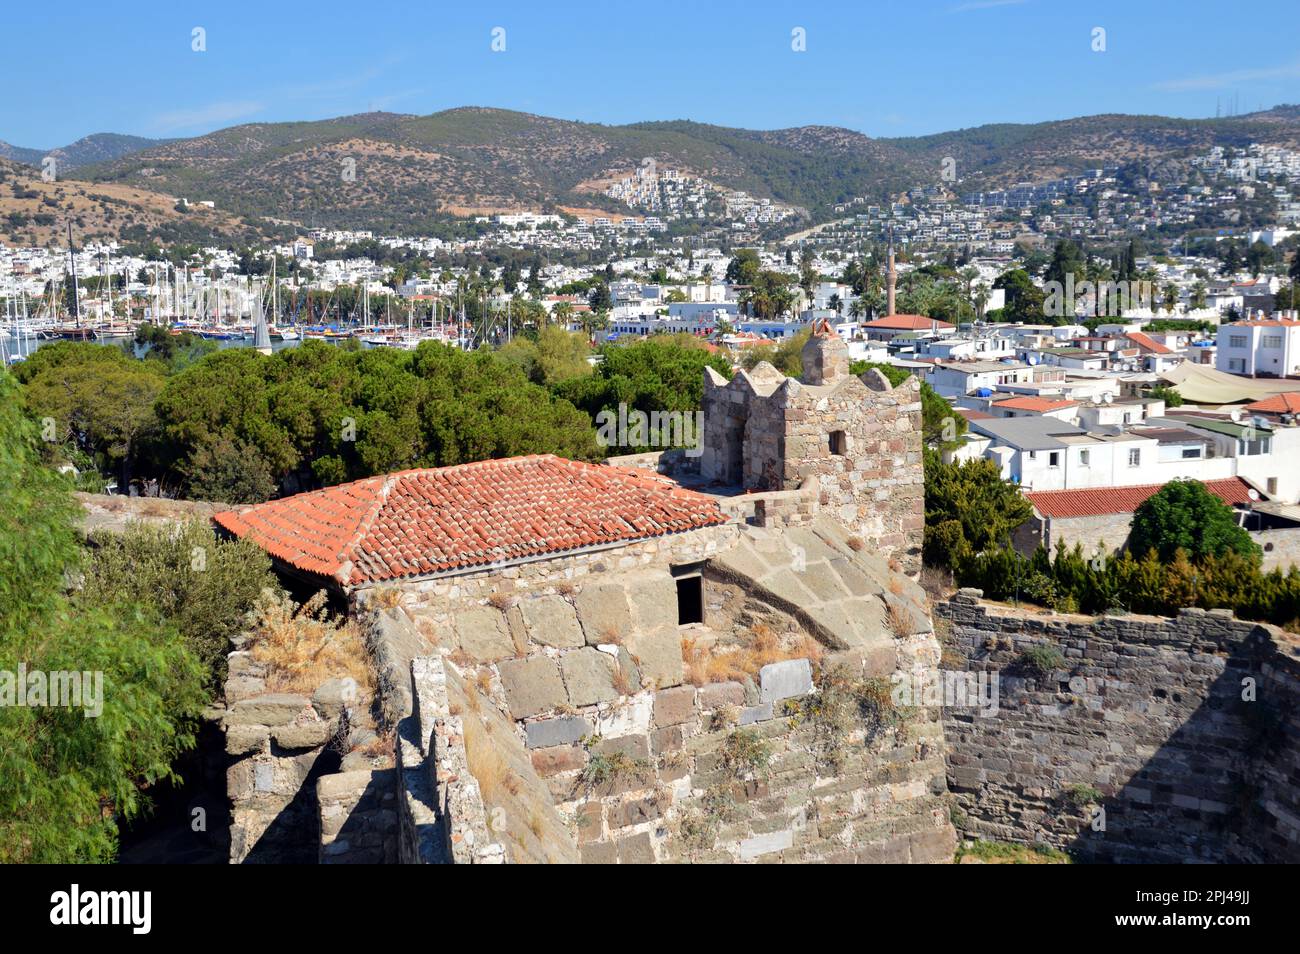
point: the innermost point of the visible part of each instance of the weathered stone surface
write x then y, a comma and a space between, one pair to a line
658, 654
239, 688
560, 758
637, 850
307, 735
635, 812
604, 612
599, 853
720, 694
562, 731
532, 686
243, 739
483, 634
752, 714
635, 747
654, 601
275, 708
551, 621
588, 676
333, 696
764, 844
673, 706
784, 680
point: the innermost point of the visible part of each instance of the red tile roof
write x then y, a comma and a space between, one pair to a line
972, 415
1288, 402
1147, 343
418, 522
907, 323
1038, 404
1106, 500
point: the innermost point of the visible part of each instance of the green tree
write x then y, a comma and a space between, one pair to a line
1183, 515
60, 768
973, 495
229, 470
320, 415
97, 398
1024, 300
663, 373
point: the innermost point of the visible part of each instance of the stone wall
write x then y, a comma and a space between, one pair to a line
308, 776
859, 445
358, 817
724, 773
443, 819
620, 748
1148, 740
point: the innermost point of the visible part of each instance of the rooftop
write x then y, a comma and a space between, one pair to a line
434, 520
907, 323
1106, 500
1288, 402
1037, 404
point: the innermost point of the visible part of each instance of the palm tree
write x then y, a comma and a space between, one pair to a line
562, 314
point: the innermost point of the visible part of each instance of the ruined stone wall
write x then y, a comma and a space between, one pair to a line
872, 483
443, 819
727, 773
309, 777
1150, 740
628, 746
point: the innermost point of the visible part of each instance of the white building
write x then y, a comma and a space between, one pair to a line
1267, 348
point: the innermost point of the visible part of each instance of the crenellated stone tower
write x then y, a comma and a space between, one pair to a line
857, 437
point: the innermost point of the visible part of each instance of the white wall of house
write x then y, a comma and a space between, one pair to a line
1258, 347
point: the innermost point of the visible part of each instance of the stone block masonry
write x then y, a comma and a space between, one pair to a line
1147, 739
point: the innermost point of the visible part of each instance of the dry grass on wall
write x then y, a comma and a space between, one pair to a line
760, 647
302, 646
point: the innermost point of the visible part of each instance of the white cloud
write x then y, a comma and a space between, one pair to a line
214, 114
1232, 78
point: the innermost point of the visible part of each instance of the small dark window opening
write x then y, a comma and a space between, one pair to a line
839, 443
690, 600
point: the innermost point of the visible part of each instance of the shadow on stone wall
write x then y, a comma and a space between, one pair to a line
1151, 740
1195, 799
291, 837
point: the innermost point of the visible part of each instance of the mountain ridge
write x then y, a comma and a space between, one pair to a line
412, 171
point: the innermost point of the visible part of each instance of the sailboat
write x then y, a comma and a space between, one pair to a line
276, 332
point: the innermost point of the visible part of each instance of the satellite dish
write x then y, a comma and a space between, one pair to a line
1108, 398
1253, 494
1235, 414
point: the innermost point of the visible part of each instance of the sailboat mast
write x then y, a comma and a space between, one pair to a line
76, 292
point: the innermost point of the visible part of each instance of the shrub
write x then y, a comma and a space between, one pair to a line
1041, 660
205, 586
66, 779
1080, 796
746, 754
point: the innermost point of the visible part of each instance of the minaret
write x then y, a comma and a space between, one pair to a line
891, 277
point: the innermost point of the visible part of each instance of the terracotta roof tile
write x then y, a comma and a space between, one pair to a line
1038, 404
1147, 343
1288, 402
418, 522
1106, 500
907, 323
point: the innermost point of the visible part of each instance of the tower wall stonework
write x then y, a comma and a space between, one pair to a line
861, 444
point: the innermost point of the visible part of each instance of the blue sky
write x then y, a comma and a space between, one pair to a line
901, 68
